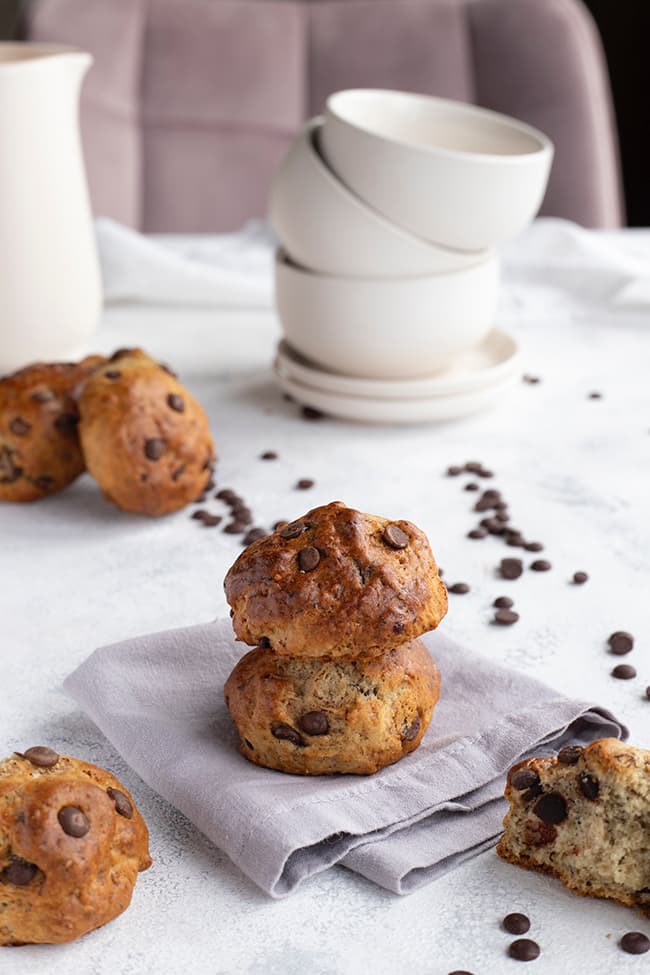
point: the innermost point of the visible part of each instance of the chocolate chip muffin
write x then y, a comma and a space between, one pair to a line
40, 451
316, 717
71, 845
146, 440
584, 817
336, 584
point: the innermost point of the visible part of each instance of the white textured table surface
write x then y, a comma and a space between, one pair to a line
576, 471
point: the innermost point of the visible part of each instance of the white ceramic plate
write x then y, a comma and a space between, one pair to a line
495, 359
366, 409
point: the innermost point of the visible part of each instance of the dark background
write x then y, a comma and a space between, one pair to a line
625, 30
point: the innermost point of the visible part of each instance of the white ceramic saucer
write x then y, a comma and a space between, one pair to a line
490, 363
416, 409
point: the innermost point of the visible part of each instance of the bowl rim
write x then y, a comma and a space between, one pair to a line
545, 145
282, 259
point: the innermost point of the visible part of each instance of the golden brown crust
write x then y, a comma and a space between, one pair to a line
332, 716
362, 598
40, 451
70, 884
598, 848
146, 440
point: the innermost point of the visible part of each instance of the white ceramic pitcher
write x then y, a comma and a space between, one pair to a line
50, 288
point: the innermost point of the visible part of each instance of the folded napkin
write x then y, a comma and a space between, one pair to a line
159, 700
228, 270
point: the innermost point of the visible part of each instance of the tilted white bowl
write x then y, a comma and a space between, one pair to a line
382, 328
455, 174
325, 227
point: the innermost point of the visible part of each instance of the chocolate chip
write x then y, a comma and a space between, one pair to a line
67, 422
516, 923
472, 486
647, 692
9, 471
621, 642
253, 534
19, 873
304, 484
454, 470
154, 448
227, 495
235, 528
311, 413
635, 943
412, 731
200, 514
570, 754
523, 949
551, 808
511, 568
502, 517
460, 588
113, 374
531, 380
308, 558
269, 455
178, 472
506, 617
73, 822
540, 565
120, 354
42, 396
589, 786
503, 602
595, 395
286, 733
41, 756
20, 427
249, 744
211, 521
44, 482
534, 547
122, 802
241, 513
314, 723
280, 524
477, 533
485, 473
580, 578
292, 530
624, 672
515, 539
523, 778
474, 466
264, 643
459, 971
176, 403
394, 537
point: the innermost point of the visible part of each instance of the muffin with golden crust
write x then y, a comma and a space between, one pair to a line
71, 845
146, 440
336, 583
317, 717
583, 817
40, 451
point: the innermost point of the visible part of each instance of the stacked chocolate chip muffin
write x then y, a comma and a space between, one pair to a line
333, 604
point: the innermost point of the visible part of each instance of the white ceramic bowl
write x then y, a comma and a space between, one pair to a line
382, 328
452, 173
325, 227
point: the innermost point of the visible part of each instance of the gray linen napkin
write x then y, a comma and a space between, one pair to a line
159, 700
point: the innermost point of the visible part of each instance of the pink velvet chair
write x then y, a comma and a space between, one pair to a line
190, 104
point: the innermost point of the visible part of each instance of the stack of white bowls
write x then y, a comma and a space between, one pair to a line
388, 209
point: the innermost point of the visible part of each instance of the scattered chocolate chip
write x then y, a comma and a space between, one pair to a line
540, 565
269, 455
551, 808
493, 526
280, 524
304, 484
454, 470
211, 521
41, 756
635, 943
459, 588
523, 778
308, 558
311, 413
531, 380
474, 466
67, 422
595, 395
242, 514
570, 754
176, 403
19, 872
502, 517
579, 578
122, 802
472, 486
253, 534
503, 602
516, 923
511, 568
292, 530
227, 495
534, 547
506, 617
588, 785
314, 723
621, 642
523, 949
73, 822
20, 427
200, 514
647, 692
485, 473
459, 971
154, 448
477, 533
412, 730
235, 528
286, 733
624, 672
112, 374
42, 396
515, 540
394, 537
